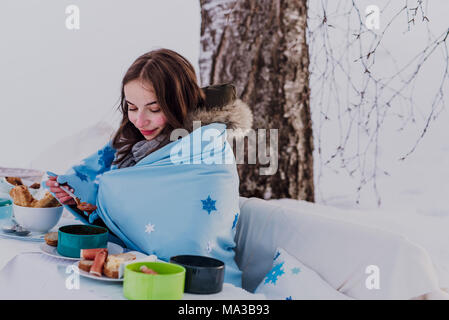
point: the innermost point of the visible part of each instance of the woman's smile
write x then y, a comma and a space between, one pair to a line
148, 132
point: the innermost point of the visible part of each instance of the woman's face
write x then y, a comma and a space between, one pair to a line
143, 109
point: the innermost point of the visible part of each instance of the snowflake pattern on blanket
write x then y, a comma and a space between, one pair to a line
289, 279
209, 205
275, 273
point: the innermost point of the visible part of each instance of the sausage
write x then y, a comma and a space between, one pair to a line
89, 254
147, 270
100, 259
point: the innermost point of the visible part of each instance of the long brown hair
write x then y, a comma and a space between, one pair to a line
175, 85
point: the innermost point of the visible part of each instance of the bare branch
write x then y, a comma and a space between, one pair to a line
359, 93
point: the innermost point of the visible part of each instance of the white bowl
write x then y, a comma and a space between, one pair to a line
37, 219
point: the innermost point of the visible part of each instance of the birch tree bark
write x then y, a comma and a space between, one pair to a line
260, 46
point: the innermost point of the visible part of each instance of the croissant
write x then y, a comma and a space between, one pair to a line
21, 196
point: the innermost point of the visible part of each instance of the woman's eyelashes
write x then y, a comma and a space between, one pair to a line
152, 108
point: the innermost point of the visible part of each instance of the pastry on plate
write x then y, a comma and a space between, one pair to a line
85, 265
51, 239
112, 265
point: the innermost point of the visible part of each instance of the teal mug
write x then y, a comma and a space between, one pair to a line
73, 238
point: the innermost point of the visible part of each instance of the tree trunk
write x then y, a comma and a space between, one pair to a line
260, 46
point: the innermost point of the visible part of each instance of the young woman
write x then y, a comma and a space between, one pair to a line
150, 202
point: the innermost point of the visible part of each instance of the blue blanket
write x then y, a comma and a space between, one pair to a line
180, 199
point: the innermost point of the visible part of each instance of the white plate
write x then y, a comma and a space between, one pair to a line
51, 251
32, 236
21, 173
139, 257
102, 278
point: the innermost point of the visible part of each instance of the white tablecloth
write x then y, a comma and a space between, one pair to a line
27, 273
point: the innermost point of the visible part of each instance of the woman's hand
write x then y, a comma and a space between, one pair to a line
60, 194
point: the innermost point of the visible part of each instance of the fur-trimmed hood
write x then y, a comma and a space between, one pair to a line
222, 106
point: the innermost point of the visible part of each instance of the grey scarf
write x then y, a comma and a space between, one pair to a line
143, 148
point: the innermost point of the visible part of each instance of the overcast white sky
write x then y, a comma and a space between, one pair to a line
55, 81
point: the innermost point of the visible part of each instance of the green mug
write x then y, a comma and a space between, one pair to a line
168, 284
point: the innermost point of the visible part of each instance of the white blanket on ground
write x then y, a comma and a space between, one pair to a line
428, 231
339, 251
